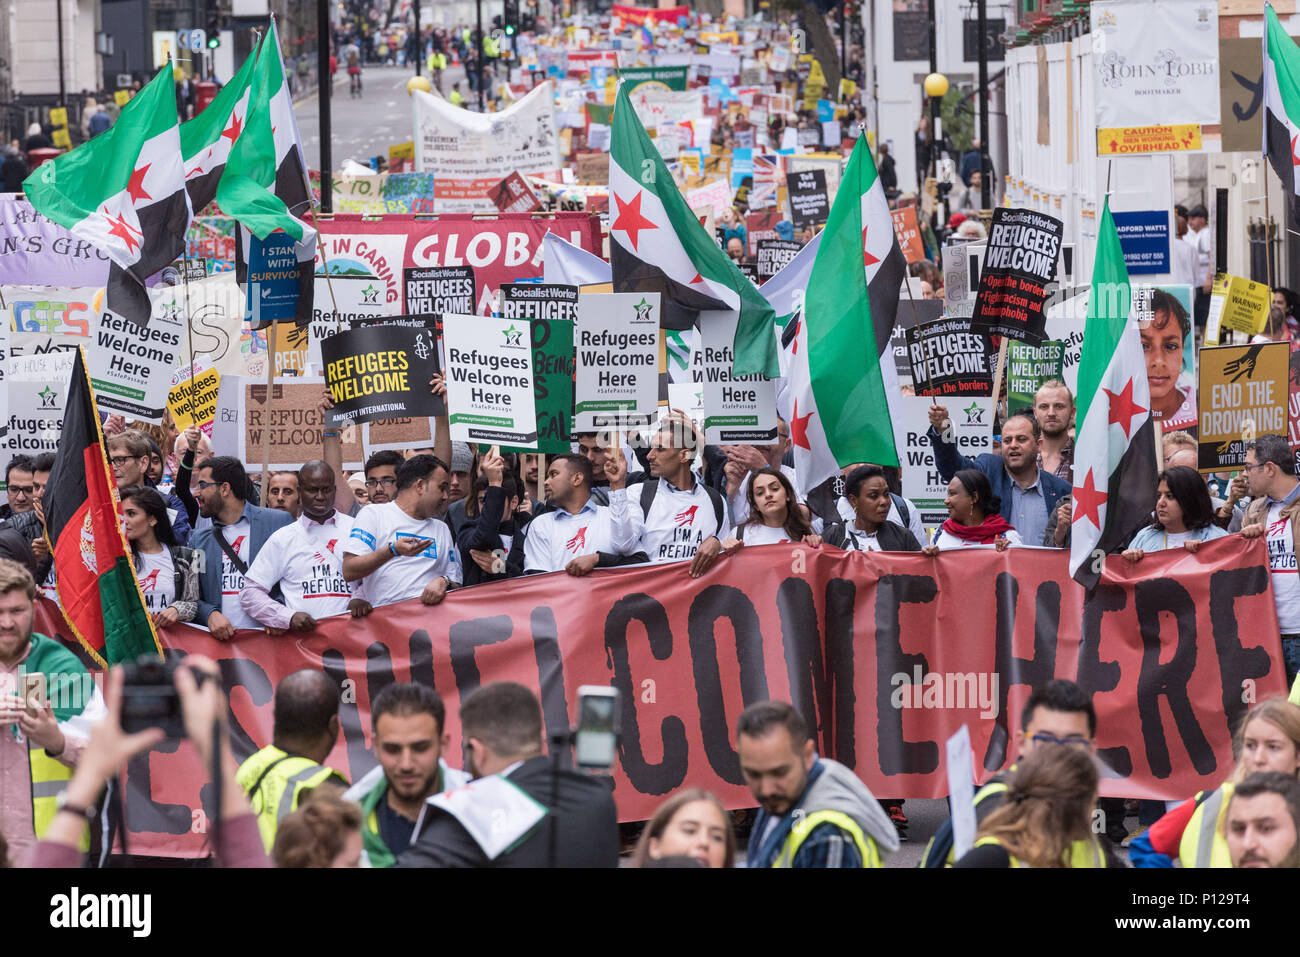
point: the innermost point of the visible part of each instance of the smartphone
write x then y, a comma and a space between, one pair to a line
596, 740
33, 692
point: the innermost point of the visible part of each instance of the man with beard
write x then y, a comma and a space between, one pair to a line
408, 725
1029, 494
1054, 411
520, 810
1262, 823
303, 562
814, 812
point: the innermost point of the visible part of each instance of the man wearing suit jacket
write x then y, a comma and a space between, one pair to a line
1029, 494
238, 532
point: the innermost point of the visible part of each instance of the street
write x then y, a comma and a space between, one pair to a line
366, 126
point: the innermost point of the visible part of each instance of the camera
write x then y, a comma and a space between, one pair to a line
149, 696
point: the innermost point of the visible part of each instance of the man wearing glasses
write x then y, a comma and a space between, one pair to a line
1275, 500
1059, 713
238, 532
128, 454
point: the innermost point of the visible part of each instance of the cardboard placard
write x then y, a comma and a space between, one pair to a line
1244, 392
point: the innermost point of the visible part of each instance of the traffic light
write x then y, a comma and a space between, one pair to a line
511, 16
213, 27
214, 40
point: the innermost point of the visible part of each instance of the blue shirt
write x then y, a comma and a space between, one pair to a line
1029, 511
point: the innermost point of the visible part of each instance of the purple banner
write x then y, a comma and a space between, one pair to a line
37, 252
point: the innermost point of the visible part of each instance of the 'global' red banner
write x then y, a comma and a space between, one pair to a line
887, 655
640, 15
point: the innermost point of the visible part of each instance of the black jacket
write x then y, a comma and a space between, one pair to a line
485, 533
892, 538
584, 813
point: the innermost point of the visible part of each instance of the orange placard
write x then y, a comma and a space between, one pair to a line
1148, 139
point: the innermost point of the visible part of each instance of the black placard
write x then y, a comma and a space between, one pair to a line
774, 255
948, 359
1020, 262
431, 289
539, 300
381, 372
809, 205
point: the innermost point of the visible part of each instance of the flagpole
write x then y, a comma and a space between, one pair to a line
189, 333
266, 409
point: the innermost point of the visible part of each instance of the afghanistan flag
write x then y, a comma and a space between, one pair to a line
124, 191
97, 587
265, 181
1282, 105
1114, 446
658, 245
842, 380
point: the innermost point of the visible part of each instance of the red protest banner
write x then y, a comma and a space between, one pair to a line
512, 195
886, 654
639, 15
501, 248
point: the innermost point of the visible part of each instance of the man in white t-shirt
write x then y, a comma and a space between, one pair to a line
680, 517
576, 533
1275, 490
399, 548
305, 560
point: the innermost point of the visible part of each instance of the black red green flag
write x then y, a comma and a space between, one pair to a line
96, 583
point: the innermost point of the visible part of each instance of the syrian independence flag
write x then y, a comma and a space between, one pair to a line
1282, 106
206, 140
124, 191
97, 587
1114, 446
658, 245
265, 184
842, 381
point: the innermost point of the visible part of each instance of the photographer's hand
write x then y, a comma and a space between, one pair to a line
104, 757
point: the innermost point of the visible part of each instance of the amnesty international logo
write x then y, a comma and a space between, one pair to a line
422, 349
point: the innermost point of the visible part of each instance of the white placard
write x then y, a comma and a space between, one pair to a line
617, 343
738, 410
972, 422
1158, 63
489, 372
357, 297
38, 392
130, 365
961, 791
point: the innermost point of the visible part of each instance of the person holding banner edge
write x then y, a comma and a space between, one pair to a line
1028, 495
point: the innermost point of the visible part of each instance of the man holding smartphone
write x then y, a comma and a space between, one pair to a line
398, 547
48, 703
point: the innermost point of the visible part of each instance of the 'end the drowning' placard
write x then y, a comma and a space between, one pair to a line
1018, 265
490, 380
381, 372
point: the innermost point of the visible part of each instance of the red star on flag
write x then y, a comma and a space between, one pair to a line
135, 185
867, 258
1295, 160
698, 278
630, 219
123, 231
799, 427
1123, 409
1088, 502
194, 172
231, 132
794, 348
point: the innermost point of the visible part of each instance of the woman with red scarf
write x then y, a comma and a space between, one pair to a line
973, 517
